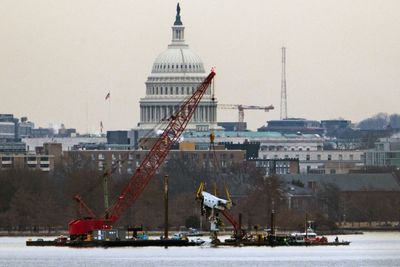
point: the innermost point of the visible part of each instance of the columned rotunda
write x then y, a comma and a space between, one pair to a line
176, 74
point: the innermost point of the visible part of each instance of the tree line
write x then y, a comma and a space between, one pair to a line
33, 200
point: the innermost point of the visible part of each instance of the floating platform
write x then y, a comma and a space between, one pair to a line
278, 241
289, 244
115, 243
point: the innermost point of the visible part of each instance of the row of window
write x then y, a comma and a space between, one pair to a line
319, 157
170, 91
177, 66
27, 159
281, 148
176, 79
100, 156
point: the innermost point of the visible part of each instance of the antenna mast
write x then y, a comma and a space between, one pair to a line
283, 86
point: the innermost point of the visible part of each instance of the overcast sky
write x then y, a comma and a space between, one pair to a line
60, 58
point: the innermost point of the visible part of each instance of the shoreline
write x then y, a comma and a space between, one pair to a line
205, 233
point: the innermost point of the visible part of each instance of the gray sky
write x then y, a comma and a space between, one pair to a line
60, 58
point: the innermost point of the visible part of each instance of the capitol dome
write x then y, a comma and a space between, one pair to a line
175, 75
178, 59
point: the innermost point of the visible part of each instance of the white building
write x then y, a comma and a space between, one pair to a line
175, 75
312, 158
386, 153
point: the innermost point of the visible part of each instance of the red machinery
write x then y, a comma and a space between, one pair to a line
79, 228
237, 227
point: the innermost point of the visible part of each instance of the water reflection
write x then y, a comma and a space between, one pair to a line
370, 249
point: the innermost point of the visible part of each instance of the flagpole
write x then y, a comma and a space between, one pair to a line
108, 98
109, 112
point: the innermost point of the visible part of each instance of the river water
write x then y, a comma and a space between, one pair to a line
370, 249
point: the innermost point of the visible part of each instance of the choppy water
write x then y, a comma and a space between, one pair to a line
370, 249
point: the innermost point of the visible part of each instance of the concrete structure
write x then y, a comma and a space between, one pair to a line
278, 166
233, 126
25, 128
329, 161
126, 161
386, 153
175, 75
308, 149
67, 143
293, 126
27, 161
8, 127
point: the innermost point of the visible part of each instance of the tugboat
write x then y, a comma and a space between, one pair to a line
309, 237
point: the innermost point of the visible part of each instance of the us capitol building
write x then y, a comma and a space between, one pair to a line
175, 75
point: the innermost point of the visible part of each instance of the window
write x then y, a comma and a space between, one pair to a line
351, 157
307, 157
329, 157
332, 171
340, 157
319, 156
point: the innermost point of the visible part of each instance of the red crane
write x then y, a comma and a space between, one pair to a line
79, 228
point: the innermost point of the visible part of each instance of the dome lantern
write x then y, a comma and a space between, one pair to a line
178, 30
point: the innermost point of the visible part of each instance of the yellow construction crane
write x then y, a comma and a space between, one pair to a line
241, 109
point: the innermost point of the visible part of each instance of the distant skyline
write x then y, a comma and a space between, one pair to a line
59, 59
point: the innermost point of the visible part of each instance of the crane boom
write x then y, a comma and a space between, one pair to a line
159, 151
79, 228
241, 108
